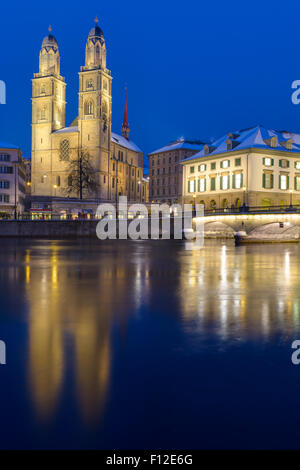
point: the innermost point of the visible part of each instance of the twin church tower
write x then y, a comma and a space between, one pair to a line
117, 162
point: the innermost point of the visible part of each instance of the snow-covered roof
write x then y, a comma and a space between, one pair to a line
120, 140
180, 144
254, 137
116, 138
67, 129
6, 145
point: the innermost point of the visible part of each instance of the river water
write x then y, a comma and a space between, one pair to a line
145, 344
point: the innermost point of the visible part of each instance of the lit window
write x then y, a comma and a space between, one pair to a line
225, 182
297, 183
268, 180
238, 180
283, 182
64, 150
297, 165
202, 185
202, 167
284, 163
88, 108
192, 186
225, 164
267, 161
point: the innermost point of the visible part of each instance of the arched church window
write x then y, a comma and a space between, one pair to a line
43, 90
88, 108
97, 50
64, 150
43, 113
104, 84
89, 84
70, 180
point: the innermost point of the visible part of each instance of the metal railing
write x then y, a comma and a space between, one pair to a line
253, 210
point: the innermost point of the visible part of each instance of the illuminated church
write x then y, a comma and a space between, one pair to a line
117, 162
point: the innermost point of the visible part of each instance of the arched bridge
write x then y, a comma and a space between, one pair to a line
268, 225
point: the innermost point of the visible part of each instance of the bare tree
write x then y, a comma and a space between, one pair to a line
82, 176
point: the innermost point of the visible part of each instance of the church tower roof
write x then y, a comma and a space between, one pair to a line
49, 55
50, 40
125, 126
96, 32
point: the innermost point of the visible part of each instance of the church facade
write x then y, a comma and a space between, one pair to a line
116, 161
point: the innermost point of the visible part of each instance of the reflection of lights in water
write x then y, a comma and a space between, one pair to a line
223, 318
27, 266
223, 268
265, 318
287, 265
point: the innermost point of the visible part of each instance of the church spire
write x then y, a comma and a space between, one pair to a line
125, 126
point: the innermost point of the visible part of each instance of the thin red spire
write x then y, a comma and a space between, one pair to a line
125, 126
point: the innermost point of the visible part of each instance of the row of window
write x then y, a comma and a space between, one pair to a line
127, 170
4, 197
69, 182
6, 169
164, 170
164, 160
164, 191
200, 185
283, 182
283, 163
4, 184
4, 157
213, 165
163, 181
237, 183
90, 84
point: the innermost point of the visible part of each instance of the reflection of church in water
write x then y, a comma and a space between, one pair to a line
70, 319
74, 303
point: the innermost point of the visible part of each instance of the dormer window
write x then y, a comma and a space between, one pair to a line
231, 144
206, 149
273, 142
288, 144
232, 136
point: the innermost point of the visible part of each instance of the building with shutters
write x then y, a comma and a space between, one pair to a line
255, 167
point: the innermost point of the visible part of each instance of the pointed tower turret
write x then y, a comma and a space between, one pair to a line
125, 125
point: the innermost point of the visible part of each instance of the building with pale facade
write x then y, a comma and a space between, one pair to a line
12, 181
255, 167
165, 171
117, 162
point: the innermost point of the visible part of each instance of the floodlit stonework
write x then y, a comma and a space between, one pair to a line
117, 162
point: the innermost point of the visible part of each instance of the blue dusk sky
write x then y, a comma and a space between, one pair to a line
193, 69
